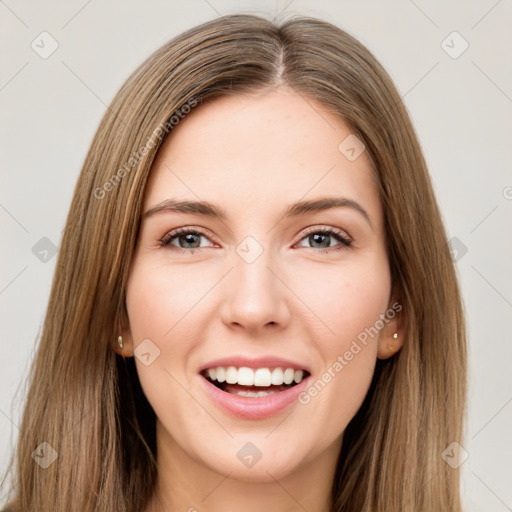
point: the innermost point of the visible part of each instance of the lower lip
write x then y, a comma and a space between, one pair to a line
253, 408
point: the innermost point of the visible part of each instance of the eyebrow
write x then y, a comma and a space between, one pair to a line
299, 208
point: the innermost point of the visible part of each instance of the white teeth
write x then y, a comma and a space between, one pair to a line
262, 377
221, 374
289, 375
251, 394
277, 376
245, 376
231, 375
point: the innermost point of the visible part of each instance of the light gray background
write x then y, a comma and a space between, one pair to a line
461, 108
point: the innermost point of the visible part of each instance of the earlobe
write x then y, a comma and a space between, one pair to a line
390, 347
124, 344
393, 336
120, 346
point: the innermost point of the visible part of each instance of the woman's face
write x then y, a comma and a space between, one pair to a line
260, 287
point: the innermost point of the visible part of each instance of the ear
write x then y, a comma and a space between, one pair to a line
394, 332
125, 333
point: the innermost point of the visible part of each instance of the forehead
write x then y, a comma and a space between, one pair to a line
253, 151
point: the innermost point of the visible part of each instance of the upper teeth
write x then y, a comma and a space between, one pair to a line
259, 377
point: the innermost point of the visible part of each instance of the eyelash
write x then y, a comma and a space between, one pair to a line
344, 241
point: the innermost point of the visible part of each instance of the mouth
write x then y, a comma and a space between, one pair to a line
254, 382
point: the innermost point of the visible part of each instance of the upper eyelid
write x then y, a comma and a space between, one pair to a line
313, 229
185, 229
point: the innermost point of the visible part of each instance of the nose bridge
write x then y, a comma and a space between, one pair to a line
255, 297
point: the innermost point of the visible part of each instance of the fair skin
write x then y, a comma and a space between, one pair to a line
301, 299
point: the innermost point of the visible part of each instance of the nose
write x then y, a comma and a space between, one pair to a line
256, 297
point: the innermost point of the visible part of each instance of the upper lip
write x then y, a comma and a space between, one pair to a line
254, 363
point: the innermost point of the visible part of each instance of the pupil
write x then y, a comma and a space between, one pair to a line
320, 235
189, 239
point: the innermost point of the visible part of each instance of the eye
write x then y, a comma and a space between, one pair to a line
185, 238
321, 238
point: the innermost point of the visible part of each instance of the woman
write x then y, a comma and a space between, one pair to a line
200, 351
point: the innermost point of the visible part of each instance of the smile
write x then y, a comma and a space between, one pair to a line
249, 382
253, 392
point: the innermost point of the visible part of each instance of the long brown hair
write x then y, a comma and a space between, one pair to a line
86, 402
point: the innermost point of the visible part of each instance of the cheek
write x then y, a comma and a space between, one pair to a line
357, 308
157, 302
345, 299
350, 308
158, 299
155, 309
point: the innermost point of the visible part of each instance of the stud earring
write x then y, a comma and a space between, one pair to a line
391, 349
120, 342
391, 346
